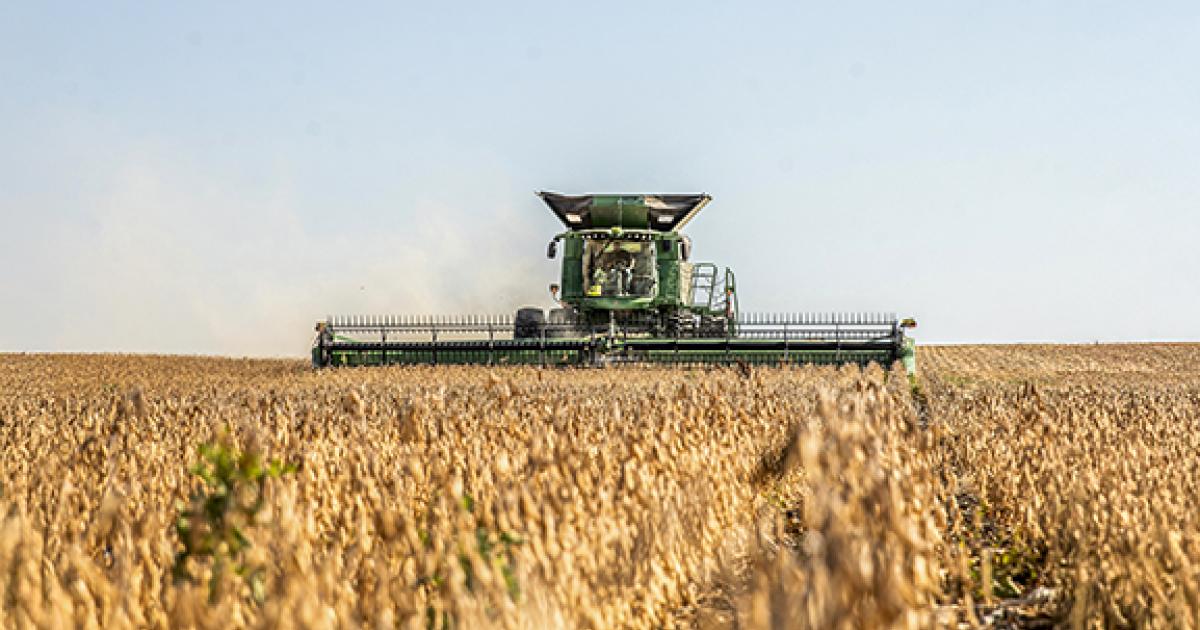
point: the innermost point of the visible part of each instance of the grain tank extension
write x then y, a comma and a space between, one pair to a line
629, 293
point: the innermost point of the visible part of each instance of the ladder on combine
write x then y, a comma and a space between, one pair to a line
715, 293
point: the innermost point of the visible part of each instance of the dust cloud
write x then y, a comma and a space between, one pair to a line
168, 263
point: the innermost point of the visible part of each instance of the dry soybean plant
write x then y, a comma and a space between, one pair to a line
1025, 484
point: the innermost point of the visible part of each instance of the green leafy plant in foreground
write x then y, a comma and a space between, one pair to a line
212, 527
497, 549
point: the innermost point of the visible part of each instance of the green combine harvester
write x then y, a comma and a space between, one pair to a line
629, 294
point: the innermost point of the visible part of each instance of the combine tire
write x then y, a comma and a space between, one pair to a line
713, 327
560, 324
528, 323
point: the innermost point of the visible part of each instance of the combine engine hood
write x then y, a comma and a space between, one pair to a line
661, 213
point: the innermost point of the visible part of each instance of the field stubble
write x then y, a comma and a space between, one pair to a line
1020, 485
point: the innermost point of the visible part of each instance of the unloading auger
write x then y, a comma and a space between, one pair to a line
628, 294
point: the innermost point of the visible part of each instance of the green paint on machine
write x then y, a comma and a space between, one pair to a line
628, 294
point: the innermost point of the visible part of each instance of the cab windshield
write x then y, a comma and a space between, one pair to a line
620, 268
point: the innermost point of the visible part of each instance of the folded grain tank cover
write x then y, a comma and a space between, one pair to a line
662, 213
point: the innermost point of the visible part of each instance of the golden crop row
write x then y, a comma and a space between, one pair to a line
1016, 482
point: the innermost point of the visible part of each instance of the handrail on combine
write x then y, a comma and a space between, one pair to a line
704, 278
731, 301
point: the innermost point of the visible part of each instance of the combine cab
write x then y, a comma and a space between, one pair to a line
629, 294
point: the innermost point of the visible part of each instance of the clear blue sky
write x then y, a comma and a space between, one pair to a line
214, 178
